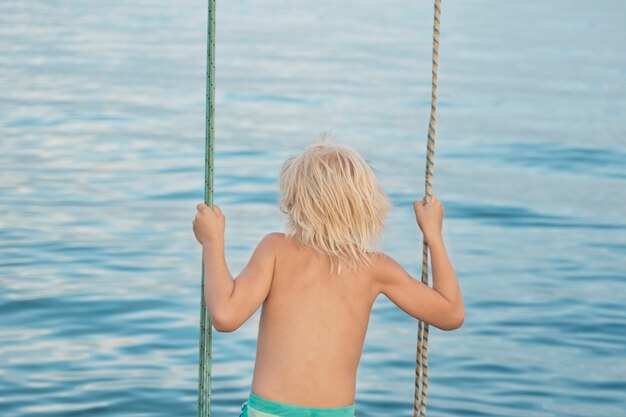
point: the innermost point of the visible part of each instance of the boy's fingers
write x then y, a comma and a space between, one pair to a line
433, 199
217, 210
203, 208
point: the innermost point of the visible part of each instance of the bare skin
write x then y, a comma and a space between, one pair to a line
313, 324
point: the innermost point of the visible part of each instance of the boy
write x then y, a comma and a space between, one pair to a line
315, 310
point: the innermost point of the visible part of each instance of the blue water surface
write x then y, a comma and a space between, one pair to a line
101, 166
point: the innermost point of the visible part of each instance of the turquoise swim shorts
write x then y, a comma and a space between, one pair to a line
261, 407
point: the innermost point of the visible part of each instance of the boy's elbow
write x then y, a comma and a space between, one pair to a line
458, 318
224, 323
455, 320
458, 321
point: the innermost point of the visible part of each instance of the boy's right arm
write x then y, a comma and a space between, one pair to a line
442, 305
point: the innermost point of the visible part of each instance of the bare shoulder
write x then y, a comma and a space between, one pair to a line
282, 240
383, 264
277, 246
385, 270
273, 240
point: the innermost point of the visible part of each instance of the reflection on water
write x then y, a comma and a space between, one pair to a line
101, 135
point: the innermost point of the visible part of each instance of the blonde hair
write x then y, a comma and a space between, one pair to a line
334, 202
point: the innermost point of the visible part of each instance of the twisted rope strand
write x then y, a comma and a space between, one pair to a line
421, 367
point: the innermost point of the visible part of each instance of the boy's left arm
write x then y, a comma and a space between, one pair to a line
232, 301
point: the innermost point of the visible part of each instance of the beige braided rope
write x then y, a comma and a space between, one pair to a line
421, 368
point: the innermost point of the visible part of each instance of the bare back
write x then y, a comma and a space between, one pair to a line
311, 331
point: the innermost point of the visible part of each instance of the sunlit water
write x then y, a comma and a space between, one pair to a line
101, 166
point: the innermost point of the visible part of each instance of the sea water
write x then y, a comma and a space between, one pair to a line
101, 168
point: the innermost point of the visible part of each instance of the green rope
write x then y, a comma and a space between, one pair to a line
204, 377
421, 368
